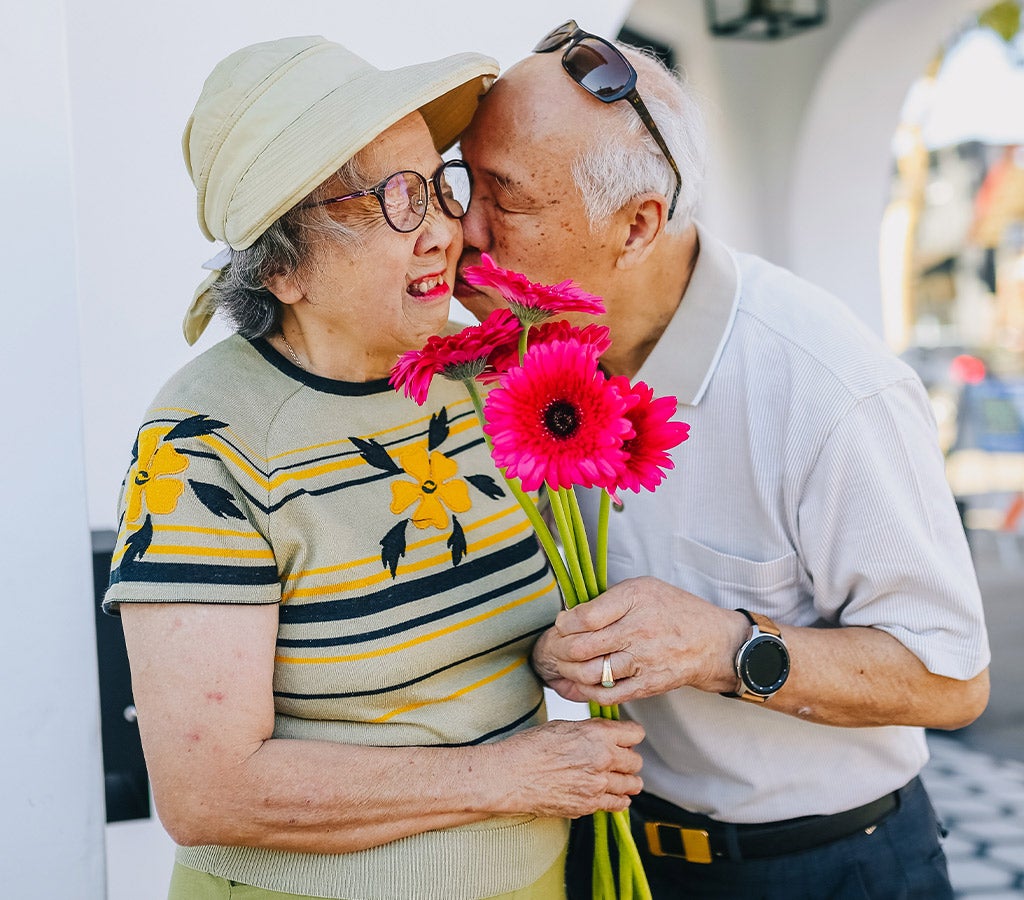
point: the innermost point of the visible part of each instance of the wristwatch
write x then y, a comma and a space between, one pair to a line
762, 662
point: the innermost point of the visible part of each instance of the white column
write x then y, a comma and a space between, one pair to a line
51, 778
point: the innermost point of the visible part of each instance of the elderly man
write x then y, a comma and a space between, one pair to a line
797, 602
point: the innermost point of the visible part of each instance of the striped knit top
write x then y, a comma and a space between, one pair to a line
410, 584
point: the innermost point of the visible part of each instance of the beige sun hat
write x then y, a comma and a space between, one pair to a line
275, 120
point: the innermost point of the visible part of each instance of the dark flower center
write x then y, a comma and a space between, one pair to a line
428, 487
561, 418
142, 476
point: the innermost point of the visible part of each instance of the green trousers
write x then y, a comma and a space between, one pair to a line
188, 884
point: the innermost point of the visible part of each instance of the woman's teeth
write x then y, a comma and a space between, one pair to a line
425, 285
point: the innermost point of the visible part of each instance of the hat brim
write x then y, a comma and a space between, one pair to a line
446, 92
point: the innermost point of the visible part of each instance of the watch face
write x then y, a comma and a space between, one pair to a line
765, 664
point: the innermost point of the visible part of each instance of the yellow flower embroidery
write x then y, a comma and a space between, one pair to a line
432, 488
148, 479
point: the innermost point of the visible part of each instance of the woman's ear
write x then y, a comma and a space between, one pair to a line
287, 288
647, 215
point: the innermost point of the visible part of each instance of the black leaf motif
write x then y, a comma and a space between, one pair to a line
486, 485
138, 542
376, 455
393, 546
194, 426
217, 500
438, 432
457, 541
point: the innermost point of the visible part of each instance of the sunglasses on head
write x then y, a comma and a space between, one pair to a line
598, 67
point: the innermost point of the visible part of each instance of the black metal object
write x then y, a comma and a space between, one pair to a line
764, 20
124, 769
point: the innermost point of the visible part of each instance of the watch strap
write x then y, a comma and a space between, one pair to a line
766, 625
763, 623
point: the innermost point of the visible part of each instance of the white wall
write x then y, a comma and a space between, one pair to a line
51, 779
136, 70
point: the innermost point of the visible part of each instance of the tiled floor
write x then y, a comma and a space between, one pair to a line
980, 799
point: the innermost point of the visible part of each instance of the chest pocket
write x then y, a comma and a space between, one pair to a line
771, 586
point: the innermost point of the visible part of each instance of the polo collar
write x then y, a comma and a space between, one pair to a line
685, 357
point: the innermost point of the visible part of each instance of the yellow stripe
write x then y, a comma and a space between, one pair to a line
459, 693
179, 550
409, 568
405, 645
416, 545
264, 482
198, 529
256, 456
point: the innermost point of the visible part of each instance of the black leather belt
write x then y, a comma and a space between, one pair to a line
675, 832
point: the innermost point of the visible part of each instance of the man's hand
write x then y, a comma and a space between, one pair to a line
657, 637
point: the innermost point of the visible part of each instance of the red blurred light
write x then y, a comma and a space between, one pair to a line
967, 369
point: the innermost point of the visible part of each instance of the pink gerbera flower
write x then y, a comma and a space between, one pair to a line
458, 357
557, 420
532, 302
595, 338
646, 452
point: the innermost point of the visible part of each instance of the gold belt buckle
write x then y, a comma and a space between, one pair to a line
696, 845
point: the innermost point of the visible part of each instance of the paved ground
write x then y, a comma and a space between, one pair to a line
980, 799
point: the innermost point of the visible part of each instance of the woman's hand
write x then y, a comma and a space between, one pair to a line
568, 769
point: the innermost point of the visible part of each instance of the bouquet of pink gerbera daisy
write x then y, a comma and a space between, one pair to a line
554, 419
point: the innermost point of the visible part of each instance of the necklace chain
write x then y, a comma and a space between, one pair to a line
292, 353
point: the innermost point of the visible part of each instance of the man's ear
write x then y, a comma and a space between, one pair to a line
646, 216
287, 288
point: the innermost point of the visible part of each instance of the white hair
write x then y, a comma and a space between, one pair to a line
626, 161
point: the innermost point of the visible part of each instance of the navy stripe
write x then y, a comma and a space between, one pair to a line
308, 461
187, 573
399, 593
376, 475
497, 732
426, 619
404, 684
318, 382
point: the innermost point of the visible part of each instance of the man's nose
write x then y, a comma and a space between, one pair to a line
475, 230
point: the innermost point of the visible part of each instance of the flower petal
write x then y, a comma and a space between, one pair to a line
162, 495
430, 512
403, 495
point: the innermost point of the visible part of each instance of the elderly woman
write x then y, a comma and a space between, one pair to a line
329, 598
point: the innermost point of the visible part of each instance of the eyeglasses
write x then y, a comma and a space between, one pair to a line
405, 196
598, 67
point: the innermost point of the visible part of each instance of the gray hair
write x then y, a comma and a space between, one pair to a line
285, 248
627, 162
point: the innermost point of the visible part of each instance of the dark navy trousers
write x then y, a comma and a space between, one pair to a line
901, 859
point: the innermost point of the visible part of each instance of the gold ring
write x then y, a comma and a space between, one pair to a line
606, 672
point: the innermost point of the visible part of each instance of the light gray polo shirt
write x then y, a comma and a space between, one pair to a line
811, 490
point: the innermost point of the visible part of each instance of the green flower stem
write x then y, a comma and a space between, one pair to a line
565, 583
568, 545
602, 541
523, 339
604, 880
582, 547
627, 848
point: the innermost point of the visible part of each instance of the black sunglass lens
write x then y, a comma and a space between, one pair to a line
554, 39
454, 188
598, 68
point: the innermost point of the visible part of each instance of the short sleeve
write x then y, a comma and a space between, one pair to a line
883, 539
191, 527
